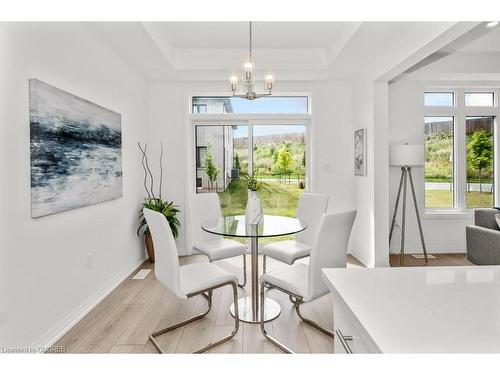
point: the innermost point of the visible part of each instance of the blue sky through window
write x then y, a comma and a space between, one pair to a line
438, 99
270, 105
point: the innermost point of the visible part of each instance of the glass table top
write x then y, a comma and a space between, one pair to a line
235, 226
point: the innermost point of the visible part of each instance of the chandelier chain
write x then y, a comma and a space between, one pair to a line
250, 41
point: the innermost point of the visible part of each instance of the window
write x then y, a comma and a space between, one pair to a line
275, 153
438, 99
459, 142
199, 108
479, 142
267, 104
438, 145
200, 156
479, 99
214, 156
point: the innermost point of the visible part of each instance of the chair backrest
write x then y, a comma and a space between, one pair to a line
166, 256
485, 217
203, 207
309, 210
329, 249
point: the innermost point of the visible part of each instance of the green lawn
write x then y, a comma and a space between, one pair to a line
444, 199
476, 199
438, 199
282, 200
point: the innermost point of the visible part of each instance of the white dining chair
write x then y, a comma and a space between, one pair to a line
310, 208
186, 281
303, 282
205, 207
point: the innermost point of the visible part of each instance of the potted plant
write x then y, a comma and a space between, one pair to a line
155, 203
253, 212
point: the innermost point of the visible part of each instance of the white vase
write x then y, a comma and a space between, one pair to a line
253, 212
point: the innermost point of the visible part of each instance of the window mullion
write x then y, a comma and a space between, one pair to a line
460, 153
496, 167
250, 147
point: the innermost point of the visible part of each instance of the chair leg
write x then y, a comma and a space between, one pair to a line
236, 324
262, 325
208, 296
244, 272
264, 267
297, 304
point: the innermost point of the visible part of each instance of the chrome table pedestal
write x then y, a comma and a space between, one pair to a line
248, 307
271, 226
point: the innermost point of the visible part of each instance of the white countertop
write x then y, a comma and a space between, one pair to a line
424, 309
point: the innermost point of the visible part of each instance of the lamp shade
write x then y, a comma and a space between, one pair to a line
406, 155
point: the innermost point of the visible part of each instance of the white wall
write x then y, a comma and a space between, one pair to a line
369, 242
49, 284
331, 137
443, 233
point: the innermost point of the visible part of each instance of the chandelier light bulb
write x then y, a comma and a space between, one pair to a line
248, 70
269, 83
234, 83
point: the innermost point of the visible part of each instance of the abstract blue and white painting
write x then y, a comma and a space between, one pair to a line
76, 157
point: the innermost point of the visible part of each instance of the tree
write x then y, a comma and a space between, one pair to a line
237, 162
480, 152
300, 164
284, 161
210, 168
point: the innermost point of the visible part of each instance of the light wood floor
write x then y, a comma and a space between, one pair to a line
122, 322
439, 260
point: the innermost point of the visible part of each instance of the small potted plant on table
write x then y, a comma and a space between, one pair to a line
253, 212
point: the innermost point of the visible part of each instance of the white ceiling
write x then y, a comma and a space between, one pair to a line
490, 42
473, 57
207, 51
265, 34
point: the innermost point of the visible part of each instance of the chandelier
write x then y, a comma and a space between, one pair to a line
248, 80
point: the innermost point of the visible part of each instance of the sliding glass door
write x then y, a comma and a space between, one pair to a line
274, 152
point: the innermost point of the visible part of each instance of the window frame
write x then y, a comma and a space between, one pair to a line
460, 112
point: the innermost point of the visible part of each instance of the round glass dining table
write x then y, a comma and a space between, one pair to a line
272, 226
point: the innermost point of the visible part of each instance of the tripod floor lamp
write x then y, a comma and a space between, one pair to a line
406, 156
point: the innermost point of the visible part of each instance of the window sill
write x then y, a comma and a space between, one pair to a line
447, 215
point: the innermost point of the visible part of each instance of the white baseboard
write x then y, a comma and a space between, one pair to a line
68, 322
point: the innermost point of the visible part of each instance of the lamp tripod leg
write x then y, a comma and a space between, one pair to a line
403, 219
418, 216
396, 208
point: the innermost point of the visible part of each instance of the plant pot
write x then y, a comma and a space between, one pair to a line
253, 212
148, 240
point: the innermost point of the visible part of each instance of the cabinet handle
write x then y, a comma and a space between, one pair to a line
343, 340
